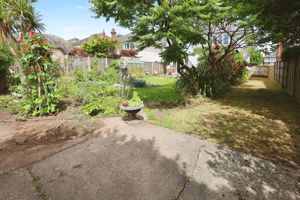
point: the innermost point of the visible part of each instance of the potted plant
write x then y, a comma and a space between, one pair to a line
133, 106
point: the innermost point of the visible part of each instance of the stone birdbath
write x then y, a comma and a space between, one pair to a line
132, 111
132, 107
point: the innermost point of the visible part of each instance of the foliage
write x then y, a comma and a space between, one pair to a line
101, 47
256, 57
6, 59
79, 52
212, 81
108, 106
276, 20
39, 92
135, 101
17, 17
138, 83
291, 52
93, 91
13, 105
128, 53
174, 26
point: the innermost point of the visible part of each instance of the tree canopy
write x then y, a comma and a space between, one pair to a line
276, 20
176, 26
101, 46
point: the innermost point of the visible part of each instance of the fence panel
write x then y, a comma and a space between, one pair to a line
287, 76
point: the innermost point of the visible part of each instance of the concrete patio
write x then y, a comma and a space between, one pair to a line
149, 162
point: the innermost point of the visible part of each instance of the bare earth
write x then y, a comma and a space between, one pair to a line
63, 159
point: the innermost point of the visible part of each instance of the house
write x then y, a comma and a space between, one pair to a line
270, 59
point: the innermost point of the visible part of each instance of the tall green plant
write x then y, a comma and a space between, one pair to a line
40, 86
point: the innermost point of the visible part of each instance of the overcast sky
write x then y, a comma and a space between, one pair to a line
72, 18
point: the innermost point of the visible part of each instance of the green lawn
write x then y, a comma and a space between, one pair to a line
255, 118
164, 94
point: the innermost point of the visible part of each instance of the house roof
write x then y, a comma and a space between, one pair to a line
120, 38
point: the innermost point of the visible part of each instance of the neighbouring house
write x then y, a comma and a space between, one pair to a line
144, 57
270, 59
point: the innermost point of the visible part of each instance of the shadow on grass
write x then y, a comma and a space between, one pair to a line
266, 122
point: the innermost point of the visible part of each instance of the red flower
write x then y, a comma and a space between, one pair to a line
45, 59
36, 42
21, 40
31, 34
44, 42
27, 45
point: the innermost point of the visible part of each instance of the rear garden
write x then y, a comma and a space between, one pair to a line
255, 117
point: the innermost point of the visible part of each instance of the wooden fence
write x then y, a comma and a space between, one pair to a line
71, 63
287, 76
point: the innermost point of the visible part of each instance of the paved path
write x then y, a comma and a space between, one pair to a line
143, 161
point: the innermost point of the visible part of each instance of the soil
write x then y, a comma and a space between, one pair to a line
22, 143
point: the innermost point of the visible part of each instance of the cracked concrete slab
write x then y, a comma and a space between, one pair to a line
124, 162
17, 186
148, 162
221, 173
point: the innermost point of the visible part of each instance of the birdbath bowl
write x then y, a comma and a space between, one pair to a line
132, 111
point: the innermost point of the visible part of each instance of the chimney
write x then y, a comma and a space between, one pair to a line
113, 34
103, 34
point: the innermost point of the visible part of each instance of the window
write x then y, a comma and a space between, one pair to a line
225, 39
129, 45
132, 45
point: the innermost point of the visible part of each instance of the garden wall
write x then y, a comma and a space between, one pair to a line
287, 76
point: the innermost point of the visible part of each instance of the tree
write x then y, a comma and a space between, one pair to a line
101, 46
276, 20
176, 26
17, 17
256, 57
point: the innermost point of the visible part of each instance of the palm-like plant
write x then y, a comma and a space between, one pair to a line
17, 17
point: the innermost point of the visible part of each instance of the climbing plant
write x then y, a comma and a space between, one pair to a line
39, 90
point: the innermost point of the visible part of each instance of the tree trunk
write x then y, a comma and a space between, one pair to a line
188, 75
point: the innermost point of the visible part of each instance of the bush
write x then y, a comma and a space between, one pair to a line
13, 105
256, 57
107, 106
138, 83
6, 59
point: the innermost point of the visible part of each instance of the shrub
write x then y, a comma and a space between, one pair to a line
135, 100
256, 58
138, 83
128, 53
107, 106
291, 52
39, 91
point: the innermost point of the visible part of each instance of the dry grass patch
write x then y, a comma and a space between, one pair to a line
255, 118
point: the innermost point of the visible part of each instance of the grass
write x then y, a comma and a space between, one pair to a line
164, 94
255, 118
